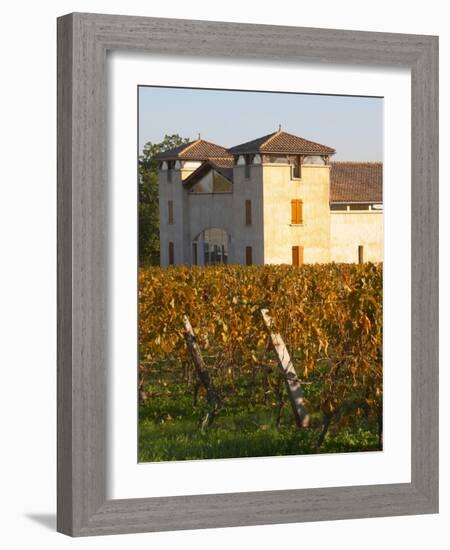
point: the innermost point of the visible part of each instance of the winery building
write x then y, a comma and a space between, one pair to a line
276, 199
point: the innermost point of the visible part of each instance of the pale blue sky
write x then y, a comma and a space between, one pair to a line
351, 125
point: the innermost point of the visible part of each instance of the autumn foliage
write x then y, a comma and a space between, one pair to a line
329, 315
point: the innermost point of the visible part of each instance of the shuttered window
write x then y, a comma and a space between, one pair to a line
171, 253
248, 212
297, 255
297, 169
170, 212
248, 255
296, 211
195, 253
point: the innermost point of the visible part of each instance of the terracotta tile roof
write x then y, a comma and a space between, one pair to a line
250, 146
195, 150
356, 182
225, 162
282, 142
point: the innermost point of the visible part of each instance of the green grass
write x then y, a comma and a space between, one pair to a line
169, 429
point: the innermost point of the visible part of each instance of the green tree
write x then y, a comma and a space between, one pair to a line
149, 199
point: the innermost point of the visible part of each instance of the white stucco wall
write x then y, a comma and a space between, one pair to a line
172, 232
279, 233
350, 229
248, 235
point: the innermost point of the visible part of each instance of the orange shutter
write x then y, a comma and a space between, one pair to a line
299, 212
293, 212
296, 211
297, 255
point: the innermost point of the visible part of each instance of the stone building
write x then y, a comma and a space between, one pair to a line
276, 199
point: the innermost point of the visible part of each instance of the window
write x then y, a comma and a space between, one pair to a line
314, 159
248, 212
248, 255
360, 254
278, 159
211, 247
212, 182
296, 212
221, 184
297, 169
297, 255
170, 212
195, 253
171, 253
338, 206
169, 171
248, 161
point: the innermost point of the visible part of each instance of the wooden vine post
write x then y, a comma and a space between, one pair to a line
294, 388
201, 370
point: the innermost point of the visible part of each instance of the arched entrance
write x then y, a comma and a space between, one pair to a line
211, 247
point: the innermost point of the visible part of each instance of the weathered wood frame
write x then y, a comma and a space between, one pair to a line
83, 40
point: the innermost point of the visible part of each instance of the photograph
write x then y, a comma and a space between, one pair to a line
221, 292
260, 284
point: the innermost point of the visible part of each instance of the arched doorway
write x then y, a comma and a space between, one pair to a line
211, 247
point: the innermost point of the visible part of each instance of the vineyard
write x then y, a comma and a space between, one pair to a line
330, 319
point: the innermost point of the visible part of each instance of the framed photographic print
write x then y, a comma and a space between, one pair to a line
247, 268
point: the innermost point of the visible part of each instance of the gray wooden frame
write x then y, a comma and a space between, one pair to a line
83, 40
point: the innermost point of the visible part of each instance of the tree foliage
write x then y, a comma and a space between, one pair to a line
148, 197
